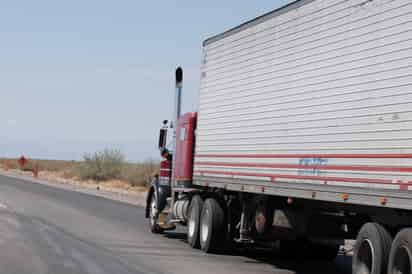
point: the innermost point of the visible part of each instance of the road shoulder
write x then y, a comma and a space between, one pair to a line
134, 198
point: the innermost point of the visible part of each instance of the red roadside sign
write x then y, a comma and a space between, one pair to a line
22, 161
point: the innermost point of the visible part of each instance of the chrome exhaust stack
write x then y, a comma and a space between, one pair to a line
176, 114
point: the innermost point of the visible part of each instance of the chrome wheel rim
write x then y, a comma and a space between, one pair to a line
153, 211
204, 226
192, 225
402, 261
366, 258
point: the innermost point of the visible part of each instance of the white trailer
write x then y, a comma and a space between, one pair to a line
304, 133
314, 99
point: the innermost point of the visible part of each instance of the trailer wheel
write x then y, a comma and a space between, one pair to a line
195, 209
153, 216
212, 226
400, 258
371, 251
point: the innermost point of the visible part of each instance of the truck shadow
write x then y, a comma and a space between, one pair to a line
341, 265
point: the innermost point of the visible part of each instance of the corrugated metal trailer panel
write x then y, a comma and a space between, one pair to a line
317, 92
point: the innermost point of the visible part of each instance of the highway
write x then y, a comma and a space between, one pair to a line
45, 229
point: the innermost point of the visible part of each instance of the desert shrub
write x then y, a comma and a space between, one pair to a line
102, 165
140, 174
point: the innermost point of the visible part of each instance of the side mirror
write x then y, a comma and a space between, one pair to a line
162, 138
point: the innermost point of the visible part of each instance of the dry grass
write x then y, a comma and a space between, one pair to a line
9, 164
49, 165
134, 176
122, 185
56, 165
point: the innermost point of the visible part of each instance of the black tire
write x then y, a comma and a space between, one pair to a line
371, 250
212, 227
153, 216
193, 223
400, 258
263, 219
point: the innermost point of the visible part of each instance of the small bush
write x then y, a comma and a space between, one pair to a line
102, 166
140, 174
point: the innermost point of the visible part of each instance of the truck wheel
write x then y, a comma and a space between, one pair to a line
371, 251
195, 210
153, 216
400, 258
212, 226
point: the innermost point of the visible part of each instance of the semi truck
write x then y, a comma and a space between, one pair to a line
302, 137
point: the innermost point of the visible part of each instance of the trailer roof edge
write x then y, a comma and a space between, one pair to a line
257, 20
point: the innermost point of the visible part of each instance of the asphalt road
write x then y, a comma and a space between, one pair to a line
51, 230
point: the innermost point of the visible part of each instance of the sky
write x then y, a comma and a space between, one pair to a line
83, 75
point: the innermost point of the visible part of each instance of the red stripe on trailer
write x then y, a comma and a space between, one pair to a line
338, 156
318, 167
303, 177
